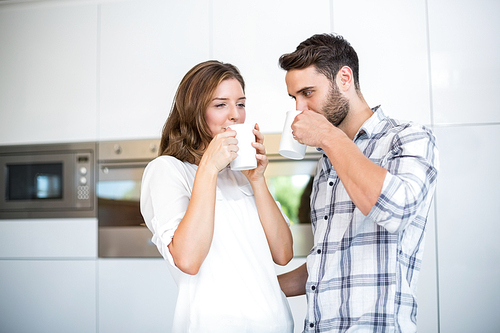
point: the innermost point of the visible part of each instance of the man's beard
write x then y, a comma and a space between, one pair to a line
336, 107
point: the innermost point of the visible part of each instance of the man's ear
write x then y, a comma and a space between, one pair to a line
345, 78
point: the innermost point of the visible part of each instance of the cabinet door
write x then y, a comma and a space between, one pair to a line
146, 48
252, 35
48, 296
48, 72
49, 238
135, 295
390, 38
468, 228
463, 38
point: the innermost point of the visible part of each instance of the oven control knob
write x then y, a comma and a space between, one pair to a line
83, 180
83, 170
118, 149
153, 148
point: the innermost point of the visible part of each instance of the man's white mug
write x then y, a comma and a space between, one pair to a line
246, 159
289, 147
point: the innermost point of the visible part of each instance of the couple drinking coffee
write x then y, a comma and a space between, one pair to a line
221, 231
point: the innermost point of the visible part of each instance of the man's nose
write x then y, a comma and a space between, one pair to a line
300, 105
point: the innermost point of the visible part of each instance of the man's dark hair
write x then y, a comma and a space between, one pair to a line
327, 52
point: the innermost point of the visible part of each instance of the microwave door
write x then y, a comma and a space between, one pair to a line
38, 182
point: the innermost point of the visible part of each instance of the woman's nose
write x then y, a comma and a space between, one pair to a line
234, 115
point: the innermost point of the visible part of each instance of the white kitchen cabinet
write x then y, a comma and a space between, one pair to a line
465, 49
390, 38
48, 275
48, 296
252, 35
48, 72
146, 47
467, 218
48, 238
135, 295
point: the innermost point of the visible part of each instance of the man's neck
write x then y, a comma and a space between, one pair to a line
359, 112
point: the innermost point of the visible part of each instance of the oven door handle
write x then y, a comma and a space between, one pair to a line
121, 171
127, 165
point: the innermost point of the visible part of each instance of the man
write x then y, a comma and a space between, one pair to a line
371, 195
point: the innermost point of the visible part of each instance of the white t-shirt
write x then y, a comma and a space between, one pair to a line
236, 288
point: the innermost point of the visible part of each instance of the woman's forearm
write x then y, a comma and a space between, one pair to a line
278, 234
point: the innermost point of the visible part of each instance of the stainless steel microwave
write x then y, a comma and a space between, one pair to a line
47, 181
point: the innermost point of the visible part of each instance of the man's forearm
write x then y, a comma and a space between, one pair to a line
293, 283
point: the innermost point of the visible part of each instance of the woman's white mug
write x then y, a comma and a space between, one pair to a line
289, 147
246, 159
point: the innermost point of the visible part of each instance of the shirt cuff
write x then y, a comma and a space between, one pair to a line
162, 237
383, 212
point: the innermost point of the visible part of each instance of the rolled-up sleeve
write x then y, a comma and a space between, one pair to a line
412, 167
165, 195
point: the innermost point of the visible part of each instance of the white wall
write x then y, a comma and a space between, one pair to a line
465, 48
99, 70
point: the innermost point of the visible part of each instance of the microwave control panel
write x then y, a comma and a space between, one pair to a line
83, 174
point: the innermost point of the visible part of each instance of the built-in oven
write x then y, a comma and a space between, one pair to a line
122, 231
47, 180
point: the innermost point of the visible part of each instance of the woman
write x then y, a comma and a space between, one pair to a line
220, 230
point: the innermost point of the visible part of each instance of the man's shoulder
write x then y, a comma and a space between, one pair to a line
403, 127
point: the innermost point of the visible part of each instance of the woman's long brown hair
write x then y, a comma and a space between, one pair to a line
186, 133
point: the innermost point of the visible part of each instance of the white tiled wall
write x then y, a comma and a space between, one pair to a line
116, 64
464, 51
253, 35
468, 201
48, 73
146, 47
390, 38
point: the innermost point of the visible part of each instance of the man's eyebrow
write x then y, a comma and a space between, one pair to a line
304, 89
301, 91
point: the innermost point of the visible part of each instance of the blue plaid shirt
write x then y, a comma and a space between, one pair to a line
363, 270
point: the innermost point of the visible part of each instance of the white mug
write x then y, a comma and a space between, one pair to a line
289, 147
246, 159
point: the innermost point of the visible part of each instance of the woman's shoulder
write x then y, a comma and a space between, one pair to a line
169, 160
165, 159
169, 164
